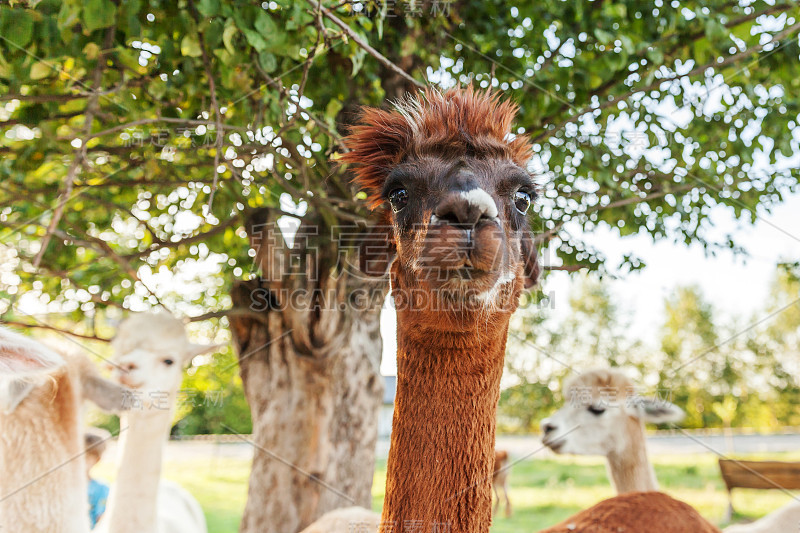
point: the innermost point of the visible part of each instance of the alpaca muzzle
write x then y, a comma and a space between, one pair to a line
468, 252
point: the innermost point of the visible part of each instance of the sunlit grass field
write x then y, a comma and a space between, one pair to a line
543, 491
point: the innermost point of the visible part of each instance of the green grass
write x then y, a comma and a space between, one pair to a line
543, 492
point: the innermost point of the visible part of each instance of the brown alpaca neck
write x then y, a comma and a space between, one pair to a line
630, 469
442, 447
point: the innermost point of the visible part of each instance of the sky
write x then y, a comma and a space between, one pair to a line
736, 285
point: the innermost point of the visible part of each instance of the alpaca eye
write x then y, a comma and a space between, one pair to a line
522, 201
398, 199
597, 411
168, 362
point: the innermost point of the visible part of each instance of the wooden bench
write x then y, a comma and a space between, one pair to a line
758, 475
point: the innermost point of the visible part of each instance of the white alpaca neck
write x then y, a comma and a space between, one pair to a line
132, 503
630, 469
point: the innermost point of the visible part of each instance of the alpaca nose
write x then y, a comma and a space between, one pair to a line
128, 367
547, 426
466, 208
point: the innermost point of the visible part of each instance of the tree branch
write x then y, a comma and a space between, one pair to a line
212, 87
42, 98
236, 311
697, 70
53, 328
168, 120
63, 116
365, 45
566, 268
92, 107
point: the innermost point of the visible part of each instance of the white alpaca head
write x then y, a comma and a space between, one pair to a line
601, 414
31, 369
150, 352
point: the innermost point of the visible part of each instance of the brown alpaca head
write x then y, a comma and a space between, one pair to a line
454, 195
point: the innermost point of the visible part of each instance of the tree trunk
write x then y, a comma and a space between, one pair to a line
311, 372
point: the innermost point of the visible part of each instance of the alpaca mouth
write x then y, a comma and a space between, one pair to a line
473, 284
468, 274
464, 281
128, 382
554, 444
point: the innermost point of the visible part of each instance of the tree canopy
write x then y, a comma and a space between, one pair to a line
137, 134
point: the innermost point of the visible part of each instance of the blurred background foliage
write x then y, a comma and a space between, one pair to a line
739, 373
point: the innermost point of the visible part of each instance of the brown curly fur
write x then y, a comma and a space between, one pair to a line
455, 122
636, 512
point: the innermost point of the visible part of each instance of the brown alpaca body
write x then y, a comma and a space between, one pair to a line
455, 482
500, 480
636, 512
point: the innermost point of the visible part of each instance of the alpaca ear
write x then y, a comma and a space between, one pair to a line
23, 364
106, 394
377, 251
22, 357
655, 411
530, 259
12, 392
193, 350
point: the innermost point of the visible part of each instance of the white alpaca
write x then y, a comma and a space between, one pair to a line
346, 520
784, 520
150, 350
43, 481
603, 415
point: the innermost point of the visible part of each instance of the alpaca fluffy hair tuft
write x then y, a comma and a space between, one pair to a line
459, 122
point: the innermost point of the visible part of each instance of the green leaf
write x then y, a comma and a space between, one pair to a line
158, 88
209, 8
255, 39
228, 35
129, 17
213, 34
265, 25
225, 57
267, 61
333, 108
358, 60
603, 36
98, 14
68, 16
91, 51
715, 31
17, 27
190, 46
40, 70
702, 51
627, 44
656, 55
